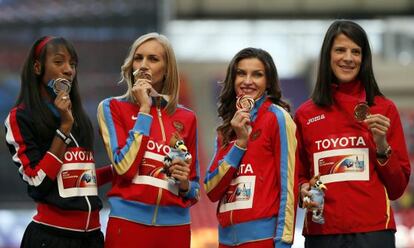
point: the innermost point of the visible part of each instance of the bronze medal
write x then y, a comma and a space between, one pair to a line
245, 102
361, 111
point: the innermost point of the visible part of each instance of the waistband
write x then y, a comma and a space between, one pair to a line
154, 215
65, 233
72, 220
247, 231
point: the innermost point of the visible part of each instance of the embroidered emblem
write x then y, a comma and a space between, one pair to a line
255, 134
179, 126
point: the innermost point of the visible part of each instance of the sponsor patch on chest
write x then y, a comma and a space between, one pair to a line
340, 142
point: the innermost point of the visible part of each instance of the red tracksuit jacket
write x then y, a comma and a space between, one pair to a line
256, 187
137, 144
339, 148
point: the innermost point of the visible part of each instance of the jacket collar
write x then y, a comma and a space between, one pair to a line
257, 104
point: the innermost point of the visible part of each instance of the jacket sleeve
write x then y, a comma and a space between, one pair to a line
302, 162
220, 172
395, 173
37, 168
285, 146
193, 194
104, 175
125, 148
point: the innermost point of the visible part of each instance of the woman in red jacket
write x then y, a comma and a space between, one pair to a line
350, 135
150, 203
252, 173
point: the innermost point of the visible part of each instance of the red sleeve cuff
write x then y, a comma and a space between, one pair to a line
386, 166
51, 165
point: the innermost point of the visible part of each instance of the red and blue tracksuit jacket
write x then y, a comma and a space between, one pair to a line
137, 144
256, 187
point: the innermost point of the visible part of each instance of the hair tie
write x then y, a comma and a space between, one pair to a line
41, 44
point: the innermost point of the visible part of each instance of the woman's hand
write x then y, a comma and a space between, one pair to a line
241, 125
140, 91
305, 195
379, 125
64, 106
180, 170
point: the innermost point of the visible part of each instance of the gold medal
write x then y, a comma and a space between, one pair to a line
142, 74
361, 111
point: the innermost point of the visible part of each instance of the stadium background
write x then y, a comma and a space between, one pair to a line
205, 35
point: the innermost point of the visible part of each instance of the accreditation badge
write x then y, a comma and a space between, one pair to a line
239, 195
77, 176
350, 164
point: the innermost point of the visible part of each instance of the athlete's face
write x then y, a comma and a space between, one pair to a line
58, 64
346, 58
250, 78
151, 56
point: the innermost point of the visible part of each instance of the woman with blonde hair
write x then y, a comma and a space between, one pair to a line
148, 199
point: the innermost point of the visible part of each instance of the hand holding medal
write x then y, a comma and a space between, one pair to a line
146, 74
377, 124
245, 103
141, 88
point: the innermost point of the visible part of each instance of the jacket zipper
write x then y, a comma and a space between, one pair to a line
157, 206
164, 139
89, 213
88, 219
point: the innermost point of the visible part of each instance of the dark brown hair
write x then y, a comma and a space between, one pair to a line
31, 98
322, 93
227, 98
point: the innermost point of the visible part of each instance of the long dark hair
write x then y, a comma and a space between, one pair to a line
322, 93
227, 98
30, 94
